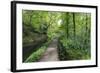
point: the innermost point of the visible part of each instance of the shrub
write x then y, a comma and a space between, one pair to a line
73, 49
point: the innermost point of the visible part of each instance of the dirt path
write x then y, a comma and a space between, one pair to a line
51, 53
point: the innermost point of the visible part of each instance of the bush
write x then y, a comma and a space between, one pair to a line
73, 49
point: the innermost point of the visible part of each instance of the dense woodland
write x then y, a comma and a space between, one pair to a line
71, 29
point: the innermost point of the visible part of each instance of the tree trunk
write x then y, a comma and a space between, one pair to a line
67, 22
86, 26
74, 25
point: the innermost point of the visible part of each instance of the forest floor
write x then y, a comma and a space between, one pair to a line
51, 54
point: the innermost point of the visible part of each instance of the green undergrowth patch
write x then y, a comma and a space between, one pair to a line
73, 50
35, 56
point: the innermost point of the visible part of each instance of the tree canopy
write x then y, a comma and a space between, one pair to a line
71, 29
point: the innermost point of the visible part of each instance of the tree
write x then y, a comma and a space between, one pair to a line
74, 25
67, 24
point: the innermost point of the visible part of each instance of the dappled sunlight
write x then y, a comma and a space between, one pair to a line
59, 22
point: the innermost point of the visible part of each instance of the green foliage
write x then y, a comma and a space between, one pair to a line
74, 49
72, 29
75, 42
35, 56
